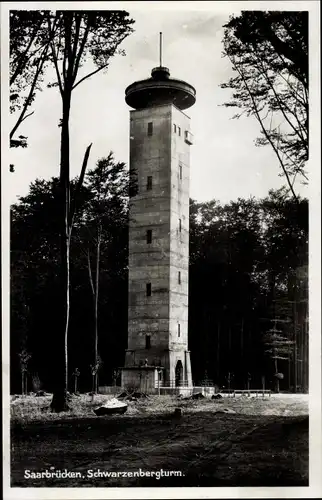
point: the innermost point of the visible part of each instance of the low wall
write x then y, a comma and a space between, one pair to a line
164, 391
110, 390
206, 391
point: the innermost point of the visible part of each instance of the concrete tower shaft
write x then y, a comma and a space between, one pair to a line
160, 139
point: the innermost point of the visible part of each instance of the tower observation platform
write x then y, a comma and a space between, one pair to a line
160, 89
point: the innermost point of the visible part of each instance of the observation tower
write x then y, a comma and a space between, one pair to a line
160, 140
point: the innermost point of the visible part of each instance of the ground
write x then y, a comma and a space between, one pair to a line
265, 443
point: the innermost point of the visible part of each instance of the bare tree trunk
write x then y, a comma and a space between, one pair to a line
295, 348
242, 339
263, 384
98, 251
289, 370
306, 355
277, 379
295, 367
303, 353
59, 401
218, 352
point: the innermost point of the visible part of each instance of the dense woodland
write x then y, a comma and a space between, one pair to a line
247, 286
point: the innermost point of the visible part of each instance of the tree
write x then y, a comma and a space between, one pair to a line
30, 41
245, 263
35, 288
278, 347
108, 184
71, 37
286, 281
24, 357
269, 53
225, 248
34, 267
80, 34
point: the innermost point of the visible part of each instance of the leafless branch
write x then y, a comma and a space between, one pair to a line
304, 103
89, 75
282, 105
264, 130
27, 116
78, 188
90, 273
31, 92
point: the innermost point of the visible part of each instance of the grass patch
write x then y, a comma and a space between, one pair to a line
264, 444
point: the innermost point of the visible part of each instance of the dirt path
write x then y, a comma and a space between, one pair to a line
209, 449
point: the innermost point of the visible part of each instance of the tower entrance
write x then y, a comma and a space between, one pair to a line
179, 374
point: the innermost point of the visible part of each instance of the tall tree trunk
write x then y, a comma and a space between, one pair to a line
295, 348
242, 340
98, 251
289, 369
306, 354
229, 346
218, 353
276, 378
300, 356
59, 401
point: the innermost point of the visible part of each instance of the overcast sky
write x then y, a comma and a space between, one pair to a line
225, 164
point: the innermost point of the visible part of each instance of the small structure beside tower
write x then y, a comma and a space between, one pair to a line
160, 140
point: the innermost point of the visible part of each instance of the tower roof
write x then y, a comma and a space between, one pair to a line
160, 89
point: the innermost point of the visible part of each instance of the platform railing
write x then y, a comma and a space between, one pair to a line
172, 384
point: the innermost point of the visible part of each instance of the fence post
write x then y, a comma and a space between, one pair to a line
248, 383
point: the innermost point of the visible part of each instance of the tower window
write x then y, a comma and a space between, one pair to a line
174, 128
150, 128
148, 290
179, 330
149, 183
180, 225
179, 277
179, 131
180, 171
149, 236
188, 137
147, 341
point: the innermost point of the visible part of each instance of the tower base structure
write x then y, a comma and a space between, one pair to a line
174, 372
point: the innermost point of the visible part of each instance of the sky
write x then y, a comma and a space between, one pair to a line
225, 163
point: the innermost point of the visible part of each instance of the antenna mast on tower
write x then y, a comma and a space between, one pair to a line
160, 49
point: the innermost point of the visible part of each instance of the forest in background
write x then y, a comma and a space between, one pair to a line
248, 286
